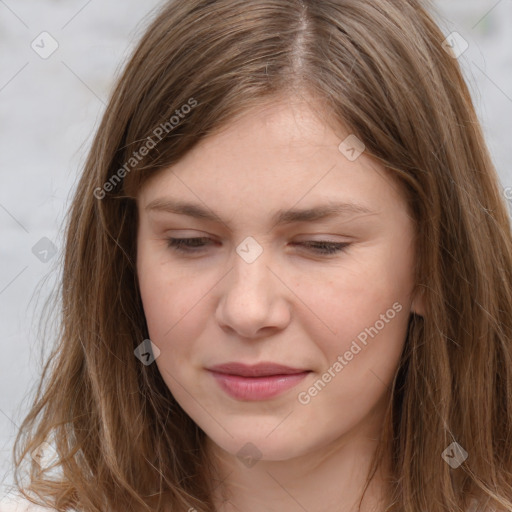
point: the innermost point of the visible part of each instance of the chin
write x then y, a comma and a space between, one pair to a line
253, 447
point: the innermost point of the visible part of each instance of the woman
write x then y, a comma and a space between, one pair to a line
288, 275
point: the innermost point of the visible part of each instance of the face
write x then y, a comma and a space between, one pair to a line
263, 275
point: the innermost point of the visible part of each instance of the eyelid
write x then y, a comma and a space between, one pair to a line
318, 237
187, 233
187, 246
297, 239
321, 237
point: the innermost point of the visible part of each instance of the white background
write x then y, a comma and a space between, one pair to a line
49, 109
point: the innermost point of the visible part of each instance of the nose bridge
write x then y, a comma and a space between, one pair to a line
250, 266
250, 293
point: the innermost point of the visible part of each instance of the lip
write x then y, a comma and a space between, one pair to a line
256, 382
262, 369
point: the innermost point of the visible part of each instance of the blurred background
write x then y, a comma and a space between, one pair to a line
59, 60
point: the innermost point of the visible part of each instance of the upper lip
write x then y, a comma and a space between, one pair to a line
256, 370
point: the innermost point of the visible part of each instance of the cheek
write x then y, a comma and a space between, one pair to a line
358, 293
366, 308
157, 293
168, 306
173, 299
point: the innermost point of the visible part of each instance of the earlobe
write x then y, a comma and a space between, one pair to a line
417, 304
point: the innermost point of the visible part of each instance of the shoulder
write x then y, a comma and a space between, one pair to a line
19, 504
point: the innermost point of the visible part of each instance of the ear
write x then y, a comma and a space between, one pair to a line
418, 302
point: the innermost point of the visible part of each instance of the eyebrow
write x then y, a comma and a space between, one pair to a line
280, 217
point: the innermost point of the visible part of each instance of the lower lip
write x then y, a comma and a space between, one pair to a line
257, 388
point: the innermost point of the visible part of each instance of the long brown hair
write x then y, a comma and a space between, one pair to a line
380, 68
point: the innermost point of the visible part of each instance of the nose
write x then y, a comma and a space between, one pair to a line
254, 299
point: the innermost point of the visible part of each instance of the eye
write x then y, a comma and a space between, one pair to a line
324, 247
194, 245
187, 245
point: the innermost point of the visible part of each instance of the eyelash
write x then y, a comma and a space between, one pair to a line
188, 245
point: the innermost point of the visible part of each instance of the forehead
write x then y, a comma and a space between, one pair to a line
277, 159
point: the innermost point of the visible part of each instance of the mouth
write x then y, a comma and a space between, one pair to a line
256, 382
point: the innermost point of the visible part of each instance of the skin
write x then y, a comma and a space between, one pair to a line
290, 306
